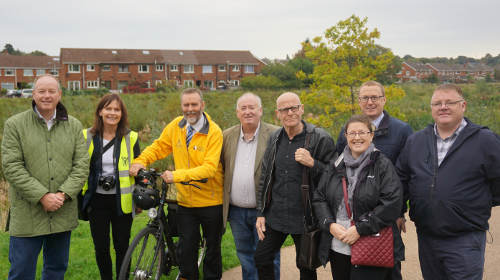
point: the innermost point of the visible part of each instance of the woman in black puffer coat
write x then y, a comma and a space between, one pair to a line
375, 197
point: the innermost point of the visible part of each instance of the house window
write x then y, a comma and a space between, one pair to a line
9, 72
208, 84
28, 72
122, 68
188, 68
92, 84
222, 83
149, 83
122, 84
222, 68
188, 84
407, 73
54, 72
40, 72
235, 82
74, 85
249, 69
173, 68
143, 68
207, 68
74, 68
106, 67
236, 68
90, 67
159, 67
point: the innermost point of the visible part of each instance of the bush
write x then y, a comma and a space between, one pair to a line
4, 91
261, 82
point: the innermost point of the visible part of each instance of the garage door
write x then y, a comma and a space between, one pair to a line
8, 85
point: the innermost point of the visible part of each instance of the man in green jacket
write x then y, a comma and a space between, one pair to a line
46, 163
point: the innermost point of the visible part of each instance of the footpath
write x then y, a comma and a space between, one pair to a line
410, 267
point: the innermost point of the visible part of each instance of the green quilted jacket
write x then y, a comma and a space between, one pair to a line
37, 161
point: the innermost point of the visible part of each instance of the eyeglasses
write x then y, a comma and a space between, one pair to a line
447, 104
364, 99
361, 134
294, 109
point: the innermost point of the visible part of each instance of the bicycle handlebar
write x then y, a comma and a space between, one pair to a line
156, 175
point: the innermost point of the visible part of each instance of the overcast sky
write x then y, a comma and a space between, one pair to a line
269, 28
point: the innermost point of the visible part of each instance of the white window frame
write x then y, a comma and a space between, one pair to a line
235, 68
407, 73
71, 68
208, 82
104, 66
13, 72
38, 74
222, 68
190, 69
235, 83
159, 67
249, 66
92, 84
54, 72
72, 84
141, 68
188, 83
157, 82
90, 67
174, 68
206, 69
28, 72
123, 71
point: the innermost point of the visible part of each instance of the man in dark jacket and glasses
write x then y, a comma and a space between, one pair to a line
279, 208
450, 173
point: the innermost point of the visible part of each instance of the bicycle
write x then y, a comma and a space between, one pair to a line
147, 257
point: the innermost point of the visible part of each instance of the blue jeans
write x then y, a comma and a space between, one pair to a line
456, 257
242, 222
24, 251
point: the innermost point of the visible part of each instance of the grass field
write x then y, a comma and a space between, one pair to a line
149, 114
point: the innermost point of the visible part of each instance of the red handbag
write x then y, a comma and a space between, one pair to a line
371, 250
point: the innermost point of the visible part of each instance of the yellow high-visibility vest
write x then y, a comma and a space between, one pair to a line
126, 156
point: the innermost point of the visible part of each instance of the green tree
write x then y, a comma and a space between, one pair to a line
342, 62
496, 74
390, 75
9, 48
285, 73
432, 79
38, 53
488, 78
469, 78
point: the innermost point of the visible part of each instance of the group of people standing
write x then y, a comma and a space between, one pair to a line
449, 173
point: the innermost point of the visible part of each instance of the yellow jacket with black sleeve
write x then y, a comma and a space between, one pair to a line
201, 160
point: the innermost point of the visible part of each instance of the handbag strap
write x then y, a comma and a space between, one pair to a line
305, 187
346, 197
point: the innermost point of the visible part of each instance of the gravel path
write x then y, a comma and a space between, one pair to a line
411, 267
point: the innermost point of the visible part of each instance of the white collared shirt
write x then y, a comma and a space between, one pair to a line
50, 122
243, 184
198, 125
376, 122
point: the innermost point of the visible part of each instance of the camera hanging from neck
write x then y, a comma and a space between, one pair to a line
104, 150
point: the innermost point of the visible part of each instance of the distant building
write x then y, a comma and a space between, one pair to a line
15, 69
457, 73
413, 72
115, 68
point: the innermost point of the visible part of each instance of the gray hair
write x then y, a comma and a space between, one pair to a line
259, 102
47, 75
192, 90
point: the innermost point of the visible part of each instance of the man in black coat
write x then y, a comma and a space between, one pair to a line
450, 173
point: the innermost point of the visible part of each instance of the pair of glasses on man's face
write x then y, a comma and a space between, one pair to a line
294, 109
447, 104
361, 134
365, 99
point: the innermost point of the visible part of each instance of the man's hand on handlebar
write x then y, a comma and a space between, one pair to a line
134, 168
168, 177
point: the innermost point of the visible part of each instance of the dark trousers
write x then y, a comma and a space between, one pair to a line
342, 269
188, 225
457, 257
266, 249
104, 212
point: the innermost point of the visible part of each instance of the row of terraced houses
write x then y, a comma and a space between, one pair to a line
456, 73
79, 69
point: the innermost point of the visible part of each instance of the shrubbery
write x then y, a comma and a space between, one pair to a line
261, 82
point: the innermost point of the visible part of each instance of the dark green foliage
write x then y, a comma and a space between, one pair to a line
284, 73
431, 79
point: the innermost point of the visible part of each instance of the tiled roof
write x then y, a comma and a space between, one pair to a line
28, 61
483, 67
417, 66
457, 67
69, 56
439, 66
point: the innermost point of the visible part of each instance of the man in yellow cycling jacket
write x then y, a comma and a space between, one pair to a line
196, 142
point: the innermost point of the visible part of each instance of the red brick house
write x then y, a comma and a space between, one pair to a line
15, 69
413, 71
115, 68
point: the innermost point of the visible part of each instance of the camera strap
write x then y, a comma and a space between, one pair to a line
104, 150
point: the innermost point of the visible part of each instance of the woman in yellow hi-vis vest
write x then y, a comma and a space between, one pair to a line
107, 195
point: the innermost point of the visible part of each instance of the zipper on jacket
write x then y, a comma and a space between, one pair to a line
433, 179
356, 190
270, 175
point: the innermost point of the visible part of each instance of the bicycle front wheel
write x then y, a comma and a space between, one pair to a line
144, 256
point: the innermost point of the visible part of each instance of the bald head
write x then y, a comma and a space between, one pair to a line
287, 97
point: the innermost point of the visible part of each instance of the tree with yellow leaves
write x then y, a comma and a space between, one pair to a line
343, 60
